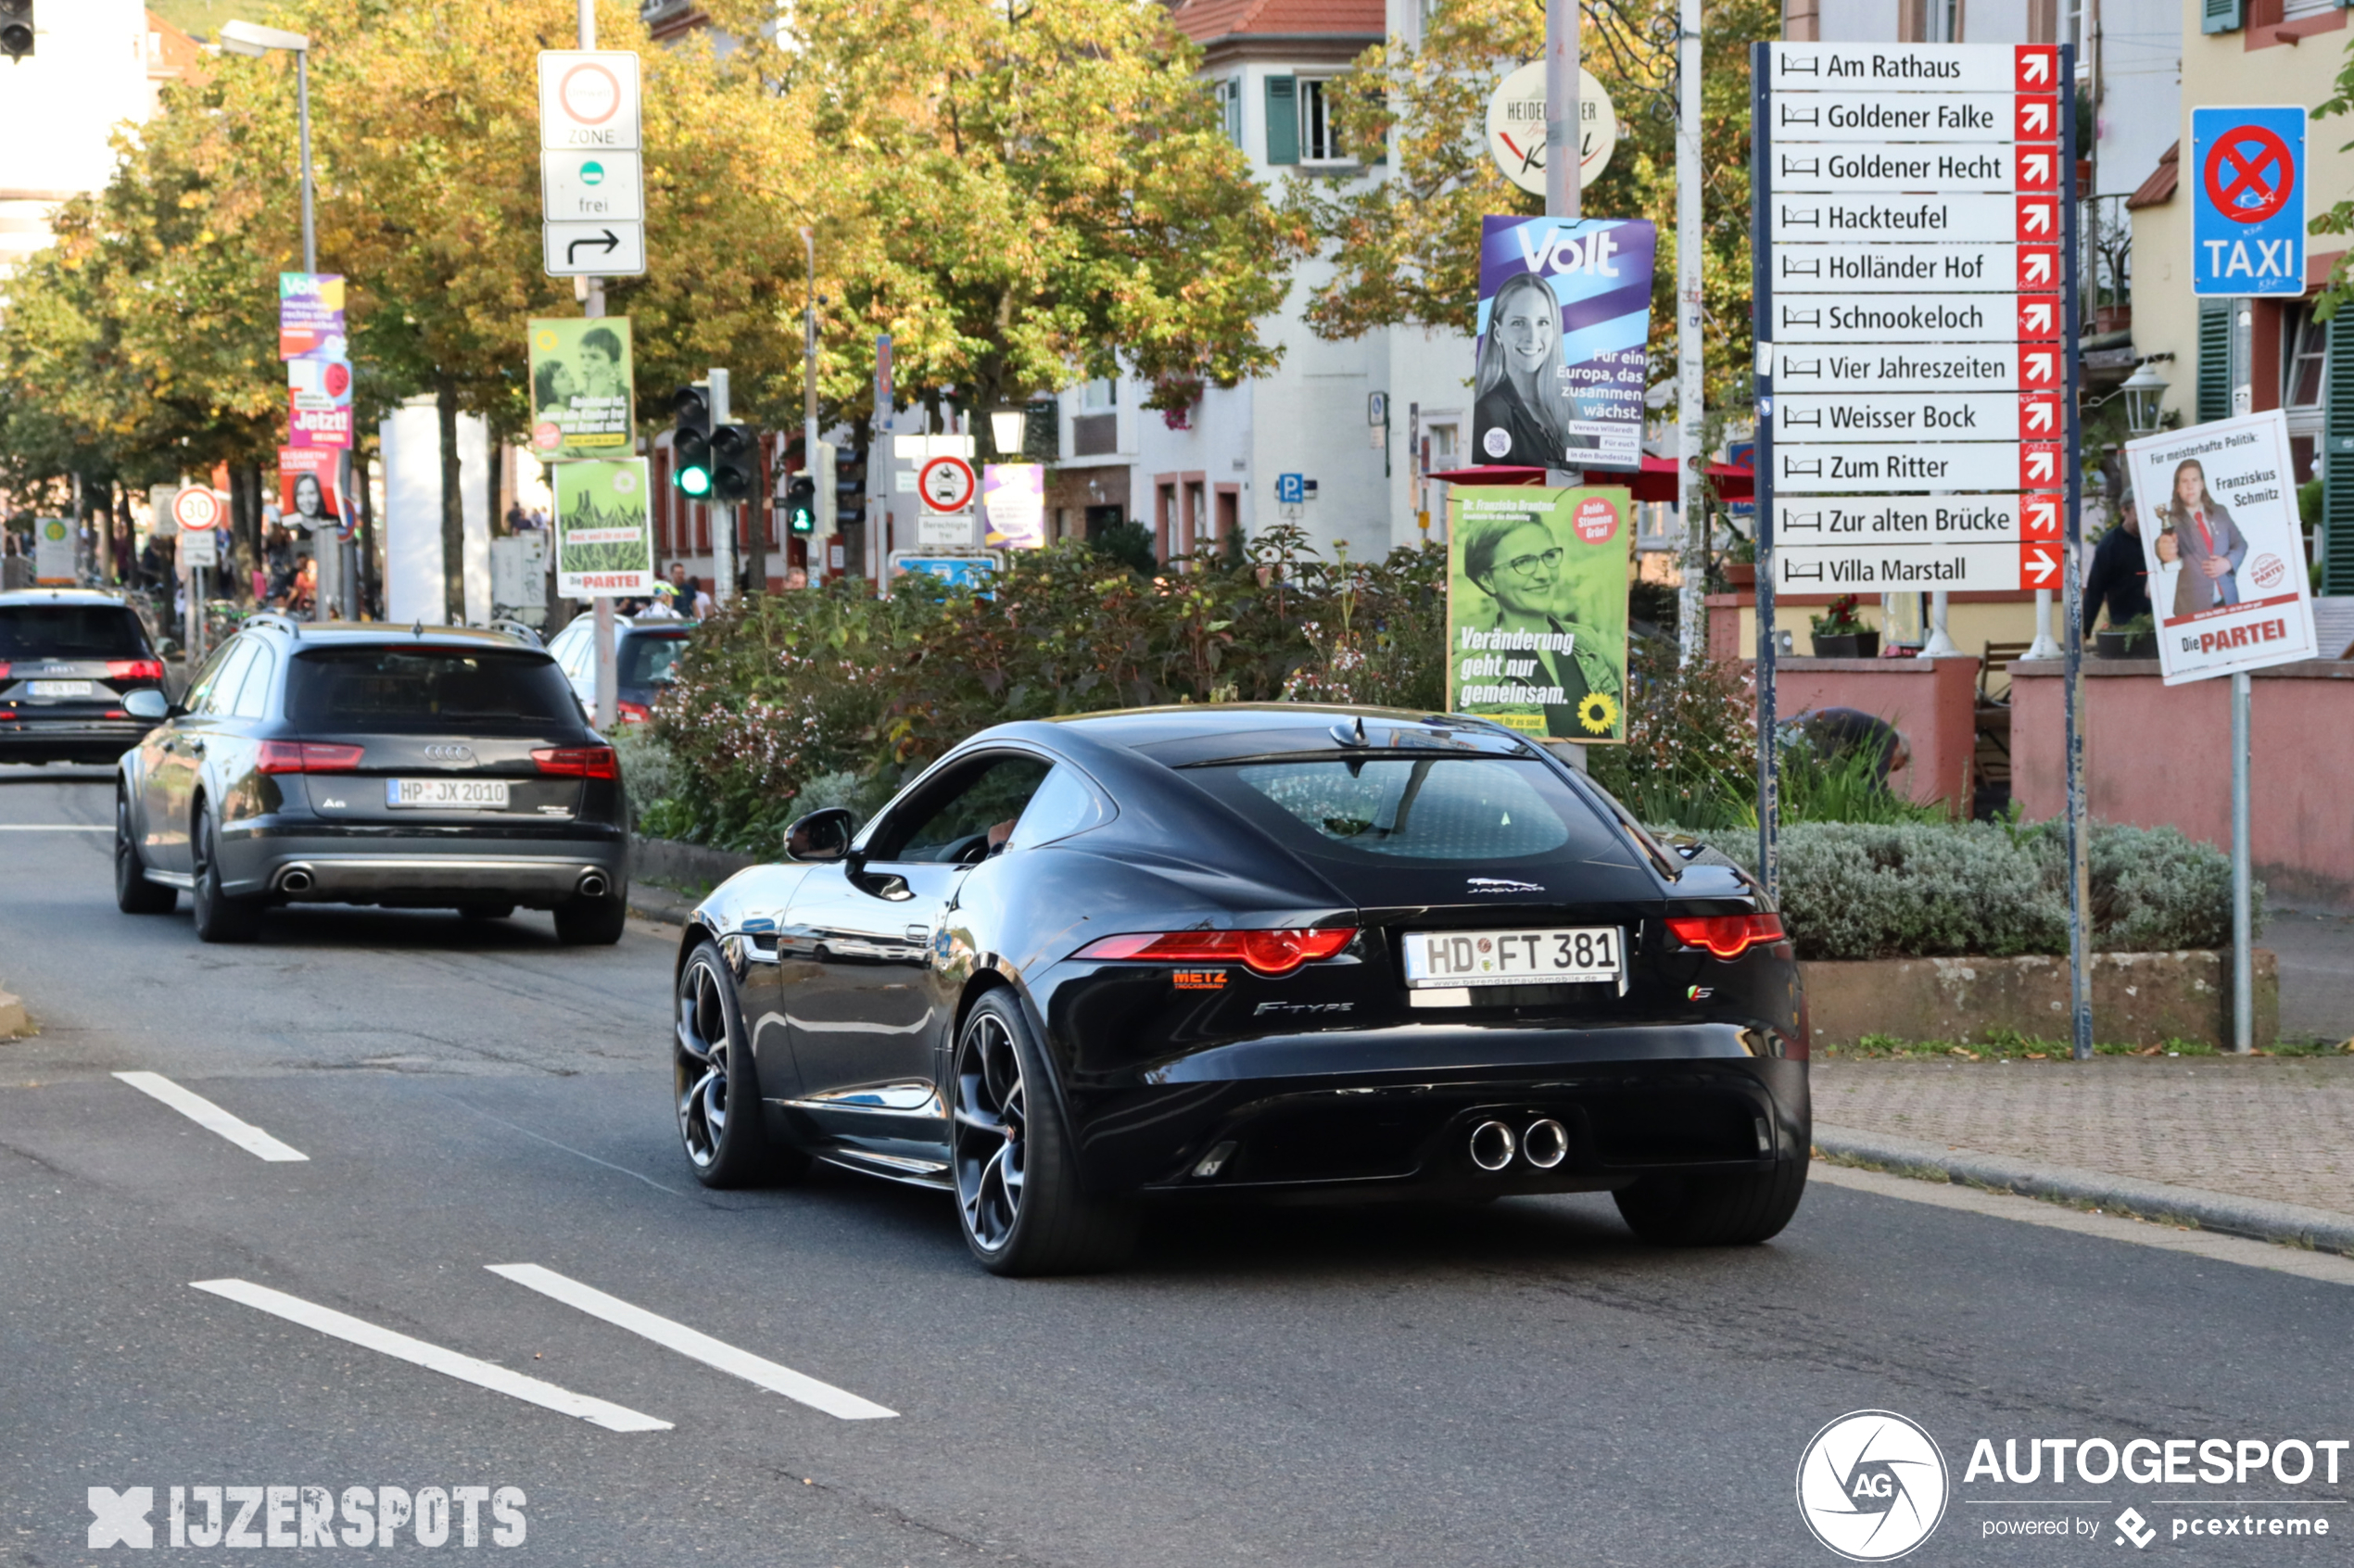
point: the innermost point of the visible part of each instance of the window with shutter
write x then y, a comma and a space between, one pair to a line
1283, 119
1231, 92
2221, 15
2337, 463
2214, 359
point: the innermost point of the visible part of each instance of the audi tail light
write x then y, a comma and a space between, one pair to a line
577, 762
1262, 952
1727, 936
128, 669
632, 713
3, 669
307, 756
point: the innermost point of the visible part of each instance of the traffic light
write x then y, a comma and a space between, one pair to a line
690, 439
801, 504
733, 459
829, 491
15, 28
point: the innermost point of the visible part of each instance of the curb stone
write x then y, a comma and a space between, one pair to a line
2288, 1223
649, 901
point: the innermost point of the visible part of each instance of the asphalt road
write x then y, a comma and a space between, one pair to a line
1516, 1385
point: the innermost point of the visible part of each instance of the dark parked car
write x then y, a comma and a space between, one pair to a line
643, 653
350, 764
69, 660
1276, 951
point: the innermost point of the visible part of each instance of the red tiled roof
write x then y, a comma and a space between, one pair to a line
1203, 19
2159, 189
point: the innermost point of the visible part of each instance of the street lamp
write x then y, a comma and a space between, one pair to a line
1009, 427
253, 40
2145, 392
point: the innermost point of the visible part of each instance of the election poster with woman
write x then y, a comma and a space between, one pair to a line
2225, 553
1536, 609
580, 387
1565, 315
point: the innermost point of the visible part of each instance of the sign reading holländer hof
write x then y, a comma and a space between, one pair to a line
1915, 318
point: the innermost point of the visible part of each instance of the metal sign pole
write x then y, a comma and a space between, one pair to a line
1769, 870
2080, 849
1564, 146
1691, 365
2243, 899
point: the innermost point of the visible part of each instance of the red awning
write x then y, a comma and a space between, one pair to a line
1656, 483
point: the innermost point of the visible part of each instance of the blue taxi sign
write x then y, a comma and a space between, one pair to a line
2246, 178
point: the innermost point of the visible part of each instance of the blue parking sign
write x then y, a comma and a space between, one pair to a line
1291, 489
2246, 178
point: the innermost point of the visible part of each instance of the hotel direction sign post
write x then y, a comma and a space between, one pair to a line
1915, 286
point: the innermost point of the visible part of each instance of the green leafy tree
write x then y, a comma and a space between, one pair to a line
2339, 219
1406, 247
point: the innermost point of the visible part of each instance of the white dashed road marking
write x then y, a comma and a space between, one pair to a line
433, 1358
207, 1115
57, 828
689, 1342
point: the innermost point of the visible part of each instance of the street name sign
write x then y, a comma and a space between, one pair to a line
1966, 416
1925, 318
1908, 117
1916, 568
1888, 166
1910, 269
2246, 175
1943, 69
1978, 367
1859, 467
1966, 216
592, 171
1820, 521
601, 187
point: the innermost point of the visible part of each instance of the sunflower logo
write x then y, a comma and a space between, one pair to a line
1597, 714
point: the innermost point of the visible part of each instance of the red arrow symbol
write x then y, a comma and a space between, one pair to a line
2035, 171
2041, 366
2035, 217
2041, 415
2037, 115
2043, 466
2040, 518
2035, 315
2037, 565
2035, 66
2035, 267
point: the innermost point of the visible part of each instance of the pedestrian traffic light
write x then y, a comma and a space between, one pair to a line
801, 504
733, 459
690, 439
15, 28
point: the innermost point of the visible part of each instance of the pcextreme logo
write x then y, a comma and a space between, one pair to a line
1872, 1485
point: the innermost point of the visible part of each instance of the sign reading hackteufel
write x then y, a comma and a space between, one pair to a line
1917, 275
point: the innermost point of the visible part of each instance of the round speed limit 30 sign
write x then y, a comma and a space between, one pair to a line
196, 510
946, 484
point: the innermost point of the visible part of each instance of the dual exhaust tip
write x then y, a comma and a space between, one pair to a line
1542, 1145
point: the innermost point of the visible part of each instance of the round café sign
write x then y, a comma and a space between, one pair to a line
1517, 127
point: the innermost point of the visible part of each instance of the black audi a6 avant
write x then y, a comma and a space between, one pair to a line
69, 660
1275, 950
420, 768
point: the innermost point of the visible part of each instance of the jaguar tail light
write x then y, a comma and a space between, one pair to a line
577, 762
3, 669
127, 669
307, 756
1262, 952
1727, 936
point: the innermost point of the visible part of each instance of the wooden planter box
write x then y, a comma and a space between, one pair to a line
2138, 998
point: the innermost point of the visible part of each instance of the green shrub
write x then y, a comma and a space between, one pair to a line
649, 771
1921, 890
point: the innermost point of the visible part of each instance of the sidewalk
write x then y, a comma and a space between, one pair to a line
2255, 1145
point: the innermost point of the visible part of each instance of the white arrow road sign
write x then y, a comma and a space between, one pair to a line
1913, 269
592, 187
1910, 166
1913, 68
603, 250
1970, 216
1977, 367
588, 99
1834, 568
1909, 117
1813, 418
1870, 467
1926, 318
1817, 521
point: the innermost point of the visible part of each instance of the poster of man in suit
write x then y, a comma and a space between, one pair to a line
2228, 581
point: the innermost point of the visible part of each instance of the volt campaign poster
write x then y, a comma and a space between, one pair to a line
1564, 313
604, 529
2217, 506
1536, 609
1013, 499
310, 322
581, 404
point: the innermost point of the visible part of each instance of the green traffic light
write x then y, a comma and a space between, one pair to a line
695, 481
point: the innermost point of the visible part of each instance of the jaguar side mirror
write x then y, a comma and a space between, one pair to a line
147, 704
822, 835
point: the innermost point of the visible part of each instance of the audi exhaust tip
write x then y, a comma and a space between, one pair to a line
1491, 1146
